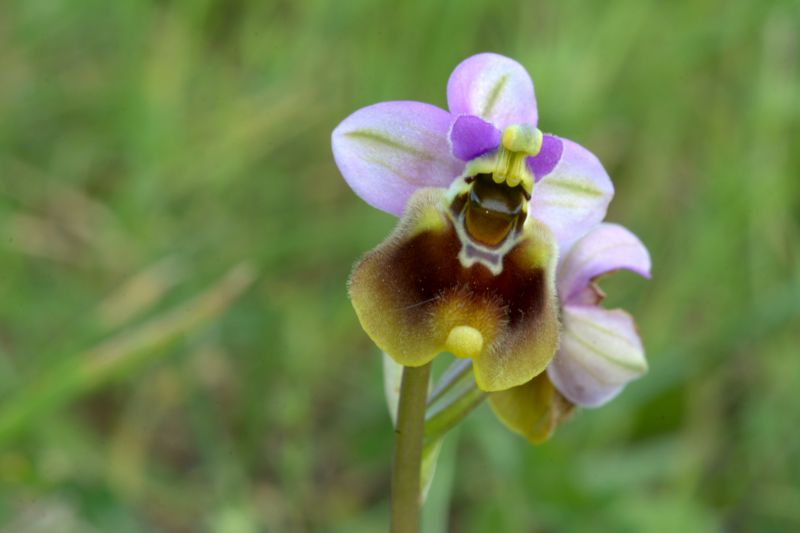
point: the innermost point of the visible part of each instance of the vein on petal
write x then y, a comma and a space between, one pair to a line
494, 94
378, 138
576, 186
395, 171
591, 371
591, 347
561, 203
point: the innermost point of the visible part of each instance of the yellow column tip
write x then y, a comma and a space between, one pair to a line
522, 138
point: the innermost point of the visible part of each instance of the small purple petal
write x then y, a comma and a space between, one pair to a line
548, 157
600, 352
471, 137
573, 198
494, 88
606, 248
387, 151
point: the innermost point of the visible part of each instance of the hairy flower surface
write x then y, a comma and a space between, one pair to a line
487, 201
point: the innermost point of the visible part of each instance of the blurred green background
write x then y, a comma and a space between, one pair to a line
177, 351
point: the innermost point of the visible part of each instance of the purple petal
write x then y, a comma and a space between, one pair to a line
494, 88
573, 198
606, 248
387, 151
600, 352
471, 137
548, 157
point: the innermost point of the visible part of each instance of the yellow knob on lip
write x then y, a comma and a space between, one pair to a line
464, 341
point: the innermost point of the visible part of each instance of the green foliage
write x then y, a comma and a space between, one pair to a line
146, 148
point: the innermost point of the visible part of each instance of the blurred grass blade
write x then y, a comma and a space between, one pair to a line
118, 355
140, 292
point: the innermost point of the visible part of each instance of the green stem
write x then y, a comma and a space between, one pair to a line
408, 449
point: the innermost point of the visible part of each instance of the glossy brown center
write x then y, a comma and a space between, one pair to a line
493, 210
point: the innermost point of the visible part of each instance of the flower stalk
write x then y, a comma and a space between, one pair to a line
406, 481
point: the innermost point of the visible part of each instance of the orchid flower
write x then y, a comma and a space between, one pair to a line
494, 260
487, 201
600, 349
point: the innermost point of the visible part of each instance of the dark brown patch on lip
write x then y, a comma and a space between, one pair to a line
427, 266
